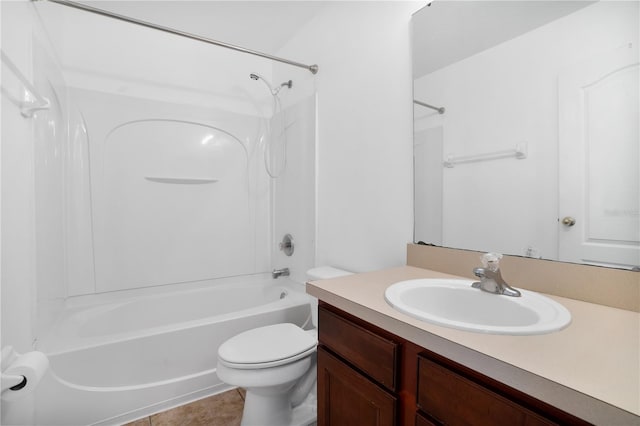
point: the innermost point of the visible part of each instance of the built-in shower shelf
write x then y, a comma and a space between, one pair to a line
181, 180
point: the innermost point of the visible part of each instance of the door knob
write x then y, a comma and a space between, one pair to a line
568, 221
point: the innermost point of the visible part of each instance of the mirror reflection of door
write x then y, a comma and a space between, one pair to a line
599, 160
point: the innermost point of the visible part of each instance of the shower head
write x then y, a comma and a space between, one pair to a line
259, 77
273, 91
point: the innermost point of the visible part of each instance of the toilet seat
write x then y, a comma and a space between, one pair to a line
268, 346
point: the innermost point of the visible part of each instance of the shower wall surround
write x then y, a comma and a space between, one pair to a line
166, 173
33, 159
179, 193
148, 168
294, 195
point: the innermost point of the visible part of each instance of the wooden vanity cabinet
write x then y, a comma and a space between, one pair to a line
357, 373
368, 376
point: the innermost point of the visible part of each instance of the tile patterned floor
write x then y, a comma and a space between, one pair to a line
224, 409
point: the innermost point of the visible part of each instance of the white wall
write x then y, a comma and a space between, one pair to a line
364, 153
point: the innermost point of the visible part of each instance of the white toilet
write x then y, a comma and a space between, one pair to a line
276, 364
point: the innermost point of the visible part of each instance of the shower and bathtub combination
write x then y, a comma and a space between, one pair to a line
134, 355
158, 212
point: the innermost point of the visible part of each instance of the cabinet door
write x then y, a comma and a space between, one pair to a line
345, 397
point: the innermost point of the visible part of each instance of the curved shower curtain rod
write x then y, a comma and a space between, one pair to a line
312, 68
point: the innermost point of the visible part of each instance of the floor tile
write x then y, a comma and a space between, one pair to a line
242, 392
141, 422
224, 409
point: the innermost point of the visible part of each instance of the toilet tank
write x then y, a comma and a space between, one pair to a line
322, 273
326, 272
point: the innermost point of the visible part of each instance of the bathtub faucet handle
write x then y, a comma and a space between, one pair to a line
286, 245
284, 272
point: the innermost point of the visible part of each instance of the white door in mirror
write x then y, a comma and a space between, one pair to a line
599, 198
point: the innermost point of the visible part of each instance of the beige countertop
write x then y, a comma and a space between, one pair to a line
590, 369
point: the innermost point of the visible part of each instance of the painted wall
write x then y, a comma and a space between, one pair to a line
365, 122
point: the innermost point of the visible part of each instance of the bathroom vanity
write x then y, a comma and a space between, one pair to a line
369, 376
377, 366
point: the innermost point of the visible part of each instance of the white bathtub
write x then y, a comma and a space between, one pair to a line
120, 360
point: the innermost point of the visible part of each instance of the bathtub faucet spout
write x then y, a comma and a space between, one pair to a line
284, 272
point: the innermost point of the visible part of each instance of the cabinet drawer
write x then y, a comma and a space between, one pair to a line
373, 354
455, 400
346, 397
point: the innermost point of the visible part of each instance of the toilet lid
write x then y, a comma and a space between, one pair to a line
267, 345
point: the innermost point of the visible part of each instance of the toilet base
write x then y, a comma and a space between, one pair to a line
305, 414
275, 410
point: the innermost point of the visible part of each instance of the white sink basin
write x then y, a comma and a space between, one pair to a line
454, 303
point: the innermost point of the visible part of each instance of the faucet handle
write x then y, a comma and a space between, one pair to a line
491, 261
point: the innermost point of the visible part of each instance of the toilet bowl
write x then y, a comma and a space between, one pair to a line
268, 362
276, 365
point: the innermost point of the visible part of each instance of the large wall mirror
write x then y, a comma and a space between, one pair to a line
526, 137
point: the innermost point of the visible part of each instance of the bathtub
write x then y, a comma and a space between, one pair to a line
121, 359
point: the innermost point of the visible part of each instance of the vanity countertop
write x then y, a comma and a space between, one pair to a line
590, 369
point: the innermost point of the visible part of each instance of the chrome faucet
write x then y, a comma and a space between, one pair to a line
491, 279
284, 272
